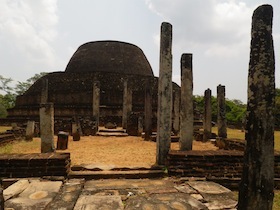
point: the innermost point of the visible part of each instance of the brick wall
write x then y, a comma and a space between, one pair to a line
223, 166
34, 165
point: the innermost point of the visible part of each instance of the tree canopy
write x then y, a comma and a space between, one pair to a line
9, 93
235, 109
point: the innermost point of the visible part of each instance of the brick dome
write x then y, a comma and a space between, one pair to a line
110, 56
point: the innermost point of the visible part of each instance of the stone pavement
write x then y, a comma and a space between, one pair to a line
118, 194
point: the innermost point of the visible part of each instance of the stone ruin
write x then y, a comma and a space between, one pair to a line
261, 164
111, 82
127, 89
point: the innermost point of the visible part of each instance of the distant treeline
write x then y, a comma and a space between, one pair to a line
235, 109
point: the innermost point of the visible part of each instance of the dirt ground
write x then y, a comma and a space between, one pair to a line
110, 151
119, 151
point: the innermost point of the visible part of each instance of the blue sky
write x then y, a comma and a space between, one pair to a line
42, 35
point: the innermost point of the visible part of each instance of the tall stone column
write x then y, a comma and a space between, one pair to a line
207, 119
47, 127
127, 103
176, 112
186, 112
164, 94
257, 182
221, 103
96, 102
148, 112
44, 91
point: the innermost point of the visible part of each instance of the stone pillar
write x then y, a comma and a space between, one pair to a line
140, 125
164, 94
44, 91
186, 112
30, 130
127, 103
96, 103
221, 103
75, 132
47, 127
148, 112
257, 182
176, 112
207, 115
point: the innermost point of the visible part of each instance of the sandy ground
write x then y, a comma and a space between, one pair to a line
111, 151
119, 151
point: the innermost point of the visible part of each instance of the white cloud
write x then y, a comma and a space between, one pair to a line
28, 28
217, 32
211, 24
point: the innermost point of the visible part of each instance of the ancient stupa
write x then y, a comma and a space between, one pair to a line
111, 63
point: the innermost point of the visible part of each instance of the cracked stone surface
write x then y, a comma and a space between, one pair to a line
120, 194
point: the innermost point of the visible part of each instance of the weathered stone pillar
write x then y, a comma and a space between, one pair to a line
221, 103
207, 116
164, 94
140, 125
127, 103
44, 91
186, 112
257, 182
75, 132
30, 127
176, 112
96, 103
47, 127
148, 112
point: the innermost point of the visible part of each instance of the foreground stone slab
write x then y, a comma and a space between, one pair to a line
68, 195
208, 187
164, 201
36, 196
15, 189
90, 202
127, 184
168, 193
215, 195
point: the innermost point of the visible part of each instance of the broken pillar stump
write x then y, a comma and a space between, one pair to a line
62, 140
30, 128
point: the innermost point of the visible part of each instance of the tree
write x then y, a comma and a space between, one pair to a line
5, 84
235, 110
21, 87
8, 98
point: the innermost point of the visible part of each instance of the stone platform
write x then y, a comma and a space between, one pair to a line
106, 132
118, 194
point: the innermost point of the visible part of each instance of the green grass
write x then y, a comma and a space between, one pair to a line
4, 128
6, 149
276, 201
238, 134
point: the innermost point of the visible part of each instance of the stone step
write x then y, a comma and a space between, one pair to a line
109, 134
174, 138
5, 138
113, 130
132, 174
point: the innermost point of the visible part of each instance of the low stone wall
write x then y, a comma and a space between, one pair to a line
223, 166
34, 165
